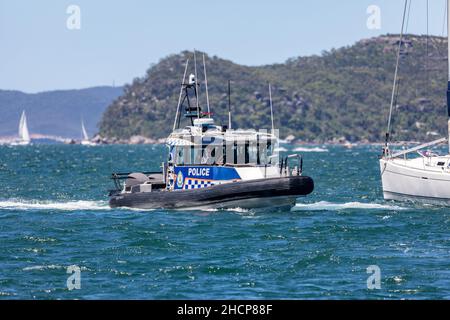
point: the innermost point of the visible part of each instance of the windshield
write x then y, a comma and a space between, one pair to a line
242, 152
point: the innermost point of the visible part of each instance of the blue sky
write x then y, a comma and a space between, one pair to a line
119, 40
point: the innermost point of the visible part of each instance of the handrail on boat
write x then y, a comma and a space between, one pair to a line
285, 163
422, 146
117, 176
124, 175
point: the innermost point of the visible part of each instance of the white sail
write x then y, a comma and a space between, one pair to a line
84, 132
23, 128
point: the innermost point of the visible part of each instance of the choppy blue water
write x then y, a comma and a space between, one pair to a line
54, 213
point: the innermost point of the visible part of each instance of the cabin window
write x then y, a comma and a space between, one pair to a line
253, 152
440, 164
241, 153
182, 155
224, 154
196, 154
179, 155
208, 154
269, 151
229, 152
262, 154
265, 150
247, 152
218, 154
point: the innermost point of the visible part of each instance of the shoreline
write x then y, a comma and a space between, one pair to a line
140, 140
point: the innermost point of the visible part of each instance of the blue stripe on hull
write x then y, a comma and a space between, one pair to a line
208, 173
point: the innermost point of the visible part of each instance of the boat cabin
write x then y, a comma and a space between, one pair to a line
205, 154
207, 144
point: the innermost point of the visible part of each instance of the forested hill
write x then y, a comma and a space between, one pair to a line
341, 93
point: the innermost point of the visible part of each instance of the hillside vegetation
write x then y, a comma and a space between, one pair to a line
342, 93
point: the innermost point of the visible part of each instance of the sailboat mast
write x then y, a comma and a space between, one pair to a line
448, 78
388, 131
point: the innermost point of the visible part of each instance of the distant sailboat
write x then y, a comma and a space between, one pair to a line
85, 138
24, 135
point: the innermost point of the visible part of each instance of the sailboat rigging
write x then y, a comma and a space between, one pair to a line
425, 178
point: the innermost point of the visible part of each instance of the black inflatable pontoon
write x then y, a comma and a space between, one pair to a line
273, 192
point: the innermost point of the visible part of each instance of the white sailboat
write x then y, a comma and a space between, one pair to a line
425, 177
85, 138
24, 135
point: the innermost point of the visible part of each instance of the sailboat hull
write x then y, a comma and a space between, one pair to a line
20, 143
87, 143
412, 180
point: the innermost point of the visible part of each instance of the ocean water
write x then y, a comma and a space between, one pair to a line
54, 214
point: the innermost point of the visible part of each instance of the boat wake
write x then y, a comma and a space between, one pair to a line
53, 205
80, 205
103, 205
237, 210
315, 149
330, 206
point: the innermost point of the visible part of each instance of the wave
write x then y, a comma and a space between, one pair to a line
53, 205
46, 267
103, 205
50, 267
330, 206
222, 209
315, 149
237, 210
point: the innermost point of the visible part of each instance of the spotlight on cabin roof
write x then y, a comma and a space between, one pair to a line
203, 122
192, 79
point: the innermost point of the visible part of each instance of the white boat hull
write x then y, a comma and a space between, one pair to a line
20, 143
414, 180
88, 143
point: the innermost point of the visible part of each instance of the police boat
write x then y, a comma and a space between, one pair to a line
214, 167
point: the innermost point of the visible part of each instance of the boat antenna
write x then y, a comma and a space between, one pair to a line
271, 107
229, 103
181, 92
448, 61
196, 85
427, 73
206, 85
388, 131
